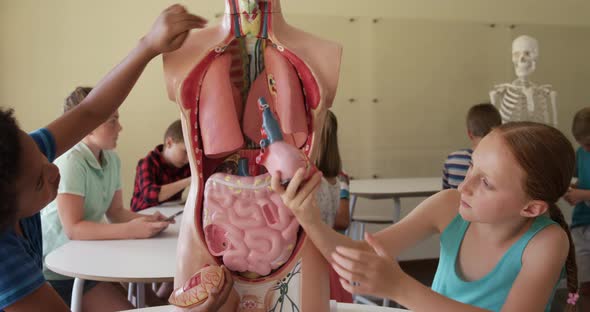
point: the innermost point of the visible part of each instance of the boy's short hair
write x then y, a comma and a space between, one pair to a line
9, 167
482, 118
581, 125
174, 132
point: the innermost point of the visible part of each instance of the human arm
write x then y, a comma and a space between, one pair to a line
167, 34
71, 214
342, 220
171, 189
375, 272
149, 192
430, 217
576, 195
117, 213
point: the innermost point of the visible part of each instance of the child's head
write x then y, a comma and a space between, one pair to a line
76, 97
329, 162
519, 171
481, 119
581, 128
28, 181
106, 135
174, 148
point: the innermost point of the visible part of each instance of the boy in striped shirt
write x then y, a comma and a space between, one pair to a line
481, 119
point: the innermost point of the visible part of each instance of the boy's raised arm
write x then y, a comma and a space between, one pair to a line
167, 34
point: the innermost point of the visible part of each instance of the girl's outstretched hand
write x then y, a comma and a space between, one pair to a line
373, 273
300, 196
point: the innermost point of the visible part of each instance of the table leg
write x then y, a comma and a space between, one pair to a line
397, 209
397, 214
140, 295
352, 205
77, 293
363, 300
351, 231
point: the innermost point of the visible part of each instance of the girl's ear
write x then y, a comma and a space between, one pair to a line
534, 208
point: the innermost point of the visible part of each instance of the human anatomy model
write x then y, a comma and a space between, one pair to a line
232, 216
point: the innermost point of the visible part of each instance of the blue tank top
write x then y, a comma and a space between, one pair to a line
489, 292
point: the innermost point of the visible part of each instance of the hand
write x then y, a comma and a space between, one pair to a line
171, 29
142, 227
300, 199
369, 273
217, 298
573, 196
157, 216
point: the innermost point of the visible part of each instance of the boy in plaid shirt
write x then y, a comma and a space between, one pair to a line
164, 173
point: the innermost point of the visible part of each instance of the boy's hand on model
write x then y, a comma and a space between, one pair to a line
171, 29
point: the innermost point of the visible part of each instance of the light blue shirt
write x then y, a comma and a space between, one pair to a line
82, 175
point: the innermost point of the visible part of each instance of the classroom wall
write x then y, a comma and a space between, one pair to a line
410, 69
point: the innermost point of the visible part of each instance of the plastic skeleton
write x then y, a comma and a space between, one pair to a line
523, 100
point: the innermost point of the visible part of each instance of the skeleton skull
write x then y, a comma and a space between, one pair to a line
525, 51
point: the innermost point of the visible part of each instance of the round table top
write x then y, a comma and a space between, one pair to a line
396, 187
129, 260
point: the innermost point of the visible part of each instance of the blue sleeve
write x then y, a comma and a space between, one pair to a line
45, 141
20, 273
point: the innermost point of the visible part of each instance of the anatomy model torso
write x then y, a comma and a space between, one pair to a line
523, 100
250, 73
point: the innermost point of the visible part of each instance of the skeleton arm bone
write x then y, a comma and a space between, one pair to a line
553, 97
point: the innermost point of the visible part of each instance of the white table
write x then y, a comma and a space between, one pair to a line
340, 307
394, 188
131, 261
